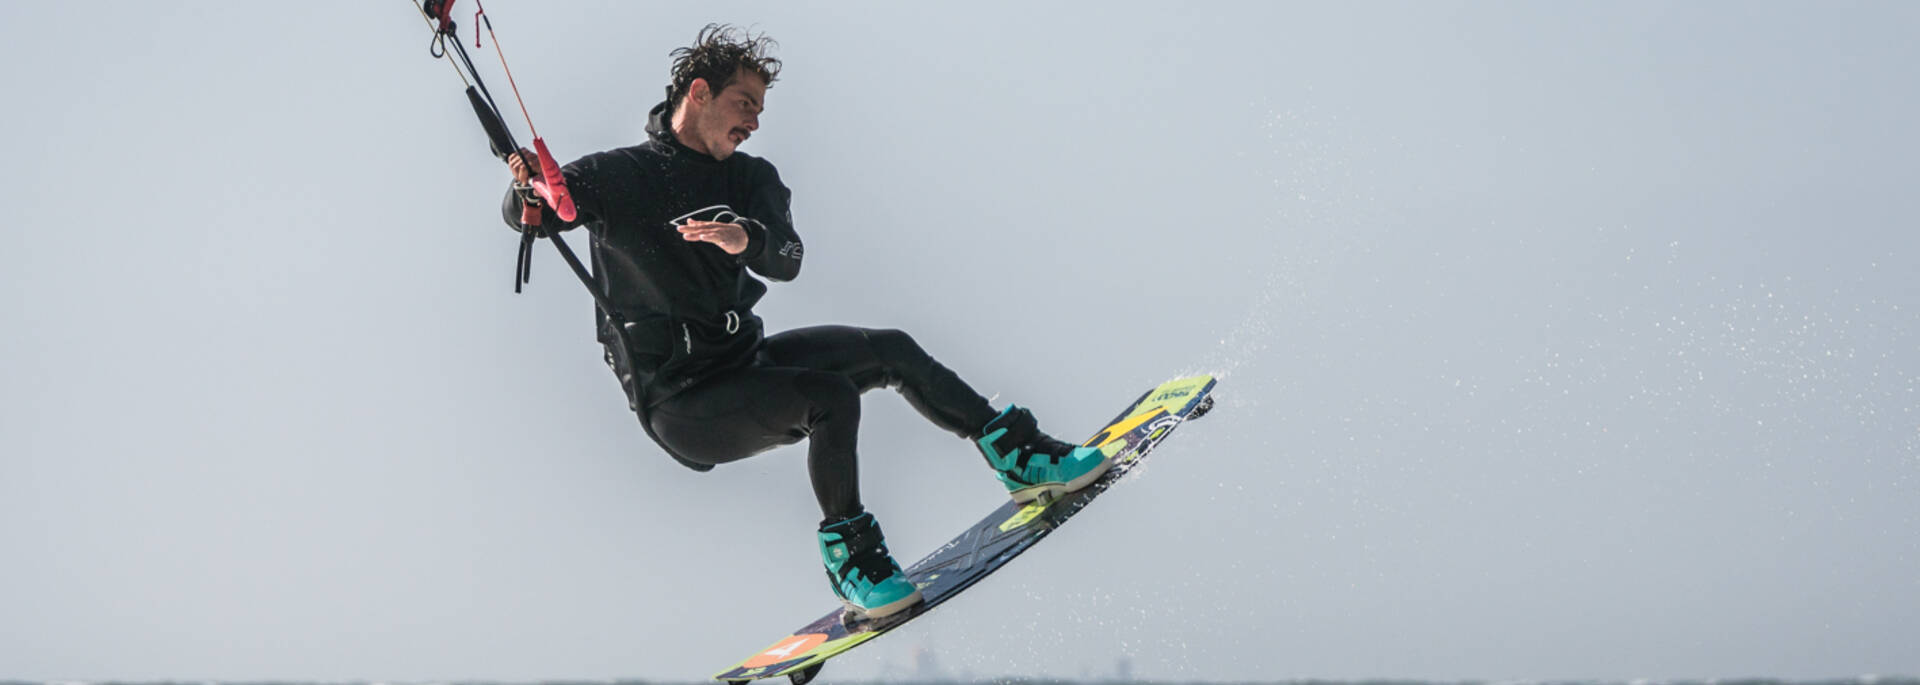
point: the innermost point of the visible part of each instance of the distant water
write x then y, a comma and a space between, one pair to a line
1857, 680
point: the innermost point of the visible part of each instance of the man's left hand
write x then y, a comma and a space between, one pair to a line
730, 237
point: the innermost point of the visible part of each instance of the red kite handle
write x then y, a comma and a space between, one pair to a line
552, 186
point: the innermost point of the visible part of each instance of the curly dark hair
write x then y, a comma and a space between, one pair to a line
718, 55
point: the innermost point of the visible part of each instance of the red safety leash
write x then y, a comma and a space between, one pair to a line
553, 191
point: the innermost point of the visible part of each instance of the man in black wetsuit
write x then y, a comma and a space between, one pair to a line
677, 222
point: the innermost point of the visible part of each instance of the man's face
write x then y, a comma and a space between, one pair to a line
724, 120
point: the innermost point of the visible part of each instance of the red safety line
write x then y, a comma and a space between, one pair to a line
482, 10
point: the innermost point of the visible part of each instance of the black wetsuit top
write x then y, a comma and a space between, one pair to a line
688, 306
708, 385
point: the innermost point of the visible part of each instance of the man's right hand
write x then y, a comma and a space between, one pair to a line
525, 166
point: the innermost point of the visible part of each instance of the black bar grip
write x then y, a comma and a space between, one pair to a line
497, 135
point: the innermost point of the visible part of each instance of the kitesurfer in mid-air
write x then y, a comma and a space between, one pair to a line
677, 222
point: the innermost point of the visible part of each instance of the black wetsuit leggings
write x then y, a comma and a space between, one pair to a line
807, 383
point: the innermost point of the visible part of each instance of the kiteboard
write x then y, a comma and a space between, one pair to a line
989, 544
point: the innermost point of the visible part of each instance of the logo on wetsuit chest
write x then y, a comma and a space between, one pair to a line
720, 213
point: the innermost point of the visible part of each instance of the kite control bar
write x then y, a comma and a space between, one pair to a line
550, 186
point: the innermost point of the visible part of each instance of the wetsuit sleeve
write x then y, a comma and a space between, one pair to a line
773, 247
580, 176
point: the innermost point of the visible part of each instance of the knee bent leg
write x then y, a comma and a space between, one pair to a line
898, 352
832, 395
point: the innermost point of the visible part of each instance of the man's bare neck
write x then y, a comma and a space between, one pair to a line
683, 130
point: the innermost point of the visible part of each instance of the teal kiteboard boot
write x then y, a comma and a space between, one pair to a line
1032, 464
863, 574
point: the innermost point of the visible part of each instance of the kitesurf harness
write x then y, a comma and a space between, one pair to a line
548, 190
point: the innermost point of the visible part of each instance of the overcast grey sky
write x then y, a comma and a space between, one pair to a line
1560, 340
